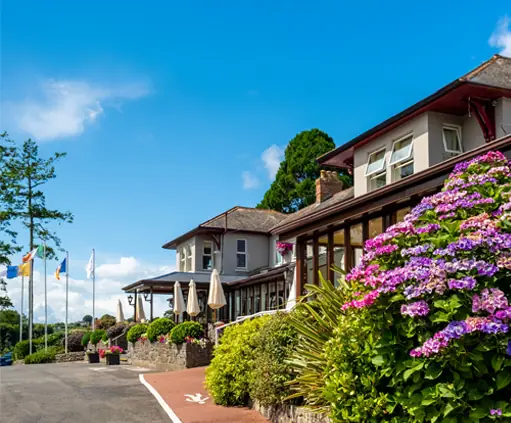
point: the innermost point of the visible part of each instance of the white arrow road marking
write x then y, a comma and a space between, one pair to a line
197, 398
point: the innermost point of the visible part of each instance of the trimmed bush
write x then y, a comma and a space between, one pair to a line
74, 342
96, 336
275, 343
161, 326
43, 356
136, 331
21, 349
116, 330
86, 339
230, 373
184, 329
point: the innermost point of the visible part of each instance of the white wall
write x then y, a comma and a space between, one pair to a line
190, 242
503, 117
417, 126
257, 252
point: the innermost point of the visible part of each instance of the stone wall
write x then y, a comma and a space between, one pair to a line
290, 414
71, 356
169, 356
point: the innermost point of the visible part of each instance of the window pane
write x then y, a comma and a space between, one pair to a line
322, 261
357, 255
452, 141
238, 304
406, 170
250, 299
356, 235
241, 260
206, 262
281, 295
257, 299
263, 297
378, 181
241, 245
375, 227
401, 213
402, 150
207, 248
376, 162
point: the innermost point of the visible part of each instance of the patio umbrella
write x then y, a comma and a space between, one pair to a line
179, 302
120, 314
216, 298
192, 308
140, 309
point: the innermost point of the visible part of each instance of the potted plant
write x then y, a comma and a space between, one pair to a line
113, 355
95, 337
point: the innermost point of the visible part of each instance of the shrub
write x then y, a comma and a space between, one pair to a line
21, 349
74, 341
432, 296
42, 356
184, 329
136, 331
275, 343
116, 330
96, 336
54, 339
161, 326
230, 373
86, 339
106, 321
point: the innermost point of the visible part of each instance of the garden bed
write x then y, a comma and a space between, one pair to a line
160, 355
71, 356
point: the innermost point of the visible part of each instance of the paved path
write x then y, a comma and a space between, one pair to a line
185, 394
76, 393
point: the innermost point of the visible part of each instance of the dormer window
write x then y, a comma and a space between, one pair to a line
451, 136
376, 171
401, 158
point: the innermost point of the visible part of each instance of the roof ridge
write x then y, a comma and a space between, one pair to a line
474, 72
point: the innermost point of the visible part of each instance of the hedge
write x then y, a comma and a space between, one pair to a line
185, 329
43, 356
160, 326
136, 331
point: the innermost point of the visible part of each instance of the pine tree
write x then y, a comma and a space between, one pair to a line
294, 186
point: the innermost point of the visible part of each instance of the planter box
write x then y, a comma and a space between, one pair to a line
113, 359
93, 357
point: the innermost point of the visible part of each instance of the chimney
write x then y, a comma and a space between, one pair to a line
327, 185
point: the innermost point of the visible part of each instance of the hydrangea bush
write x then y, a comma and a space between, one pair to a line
434, 295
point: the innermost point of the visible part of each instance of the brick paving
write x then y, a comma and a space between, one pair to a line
184, 391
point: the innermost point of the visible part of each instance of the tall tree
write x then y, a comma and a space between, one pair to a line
294, 186
31, 172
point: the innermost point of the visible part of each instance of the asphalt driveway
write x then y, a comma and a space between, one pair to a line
77, 393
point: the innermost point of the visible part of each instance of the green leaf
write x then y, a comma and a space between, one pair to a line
448, 408
497, 361
503, 379
378, 360
433, 371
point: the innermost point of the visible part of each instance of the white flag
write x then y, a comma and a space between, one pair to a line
90, 267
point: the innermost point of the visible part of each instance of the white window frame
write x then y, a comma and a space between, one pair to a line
242, 252
189, 258
456, 128
204, 244
383, 167
404, 159
396, 169
182, 259
373, 177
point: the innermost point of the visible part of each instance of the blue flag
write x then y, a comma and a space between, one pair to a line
61, 269
12, 272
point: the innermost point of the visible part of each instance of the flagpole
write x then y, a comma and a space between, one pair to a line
67, 289
30, 305
45, 303
93, 287
21, 311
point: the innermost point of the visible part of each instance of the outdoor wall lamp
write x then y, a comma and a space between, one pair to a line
146, 297
130, 299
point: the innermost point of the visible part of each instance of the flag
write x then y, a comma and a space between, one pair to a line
90, 267
12, 272
24, 269
3, 272
36, 252
60, 269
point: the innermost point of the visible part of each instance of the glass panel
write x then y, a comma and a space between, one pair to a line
378, 181
309, 263
263, 297
281, 294
452, 142
401, 150
241, 245
357, 255
401, 213
241, 261
375, 227
273, 298
231, 299
356, 235
238, 304
257, 299
406, 170
188, 258
376, 162
243, 302
322, 261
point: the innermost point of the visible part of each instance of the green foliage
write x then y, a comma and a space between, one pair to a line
87, 318
136, 331
184, 329
161, 326
169, 314
106, 321
116, 330
86, 339
96, 336
43, 356
21, 349
274, 345
229, 376
294, 186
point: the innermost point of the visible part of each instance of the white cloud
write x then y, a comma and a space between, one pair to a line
271, 158
501, 37
250, 181
109, 282
64, 108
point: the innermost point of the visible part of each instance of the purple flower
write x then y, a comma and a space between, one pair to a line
496, 412
419, 308
508, 349
489, 300
468, 282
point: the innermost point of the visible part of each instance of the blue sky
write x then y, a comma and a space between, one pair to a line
176, 111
